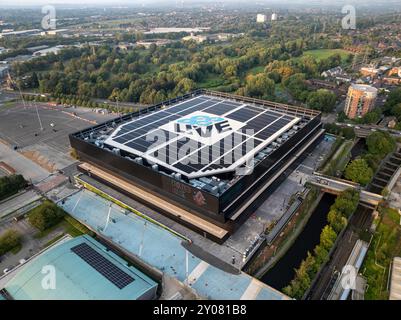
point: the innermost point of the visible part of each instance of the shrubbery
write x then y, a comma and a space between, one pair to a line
380, 143
346, 132
9, 240
46, 215
362, 169
359, 171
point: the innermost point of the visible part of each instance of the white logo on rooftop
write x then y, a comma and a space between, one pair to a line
203, 127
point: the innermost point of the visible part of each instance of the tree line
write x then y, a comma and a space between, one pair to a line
156, 74
10, 185
379, 145
342, 209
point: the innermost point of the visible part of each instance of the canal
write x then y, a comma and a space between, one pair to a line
359, 149
283, 271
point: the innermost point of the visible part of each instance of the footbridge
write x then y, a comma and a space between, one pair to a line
336, 186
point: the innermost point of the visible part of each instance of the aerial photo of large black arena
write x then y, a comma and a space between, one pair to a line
204, 159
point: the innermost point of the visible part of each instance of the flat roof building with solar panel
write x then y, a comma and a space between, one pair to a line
83, 270
205, 159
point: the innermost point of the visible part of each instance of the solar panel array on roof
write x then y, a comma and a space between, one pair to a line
105, 267
201, 136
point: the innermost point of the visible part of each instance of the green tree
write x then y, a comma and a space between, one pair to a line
380, 143
393, 98
371, 117
396, 111
321, 255
275, 76
45, 216
336, 220
185, 85
9, 240
327, 237
322, 99
348, 133
259, 86
296, 85
10, 185
359, 171
341, 117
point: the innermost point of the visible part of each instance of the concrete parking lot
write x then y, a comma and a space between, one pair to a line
41, 131
30, 170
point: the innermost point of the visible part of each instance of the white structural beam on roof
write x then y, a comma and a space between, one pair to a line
260, 147
115, 132
203, 171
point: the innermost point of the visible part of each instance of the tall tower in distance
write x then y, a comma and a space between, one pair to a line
260, 18
274, 16
360, 100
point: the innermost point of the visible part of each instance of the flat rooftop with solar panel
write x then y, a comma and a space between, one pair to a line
83, 269
204, 159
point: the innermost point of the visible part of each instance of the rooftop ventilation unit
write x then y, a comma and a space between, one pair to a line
205, 180
215, 190
222, 186
176, 176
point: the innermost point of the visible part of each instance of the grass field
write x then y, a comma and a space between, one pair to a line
69, 225
385, 246
256, 70
321, 54
211, 81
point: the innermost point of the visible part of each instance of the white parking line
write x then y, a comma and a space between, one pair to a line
252, 291
197, 273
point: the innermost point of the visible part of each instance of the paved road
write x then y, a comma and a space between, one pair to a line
12, 204
363, 130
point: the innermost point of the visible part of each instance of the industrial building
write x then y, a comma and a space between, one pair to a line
206, 159
44, 52
20, 33
83, 269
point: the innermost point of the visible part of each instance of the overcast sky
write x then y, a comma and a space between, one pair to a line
188, 2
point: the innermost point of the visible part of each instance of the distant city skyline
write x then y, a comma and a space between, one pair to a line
173, 2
